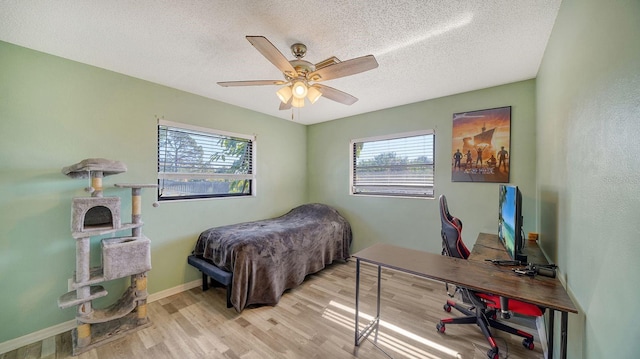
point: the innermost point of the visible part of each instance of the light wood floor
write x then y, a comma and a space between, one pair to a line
315, 320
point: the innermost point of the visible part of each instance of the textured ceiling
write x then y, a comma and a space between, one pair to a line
425, 48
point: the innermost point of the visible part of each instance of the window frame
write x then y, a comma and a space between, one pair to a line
252, 177
352, 163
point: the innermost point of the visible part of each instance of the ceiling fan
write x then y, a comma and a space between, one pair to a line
302, 77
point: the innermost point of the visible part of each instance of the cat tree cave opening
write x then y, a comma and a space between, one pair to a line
95, 213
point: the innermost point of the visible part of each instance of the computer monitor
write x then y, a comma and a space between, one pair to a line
510, 221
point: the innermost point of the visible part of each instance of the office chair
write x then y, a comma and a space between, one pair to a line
484, 306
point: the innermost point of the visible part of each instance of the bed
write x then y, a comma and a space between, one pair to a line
265, 258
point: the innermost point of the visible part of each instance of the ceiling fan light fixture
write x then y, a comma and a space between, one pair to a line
297, 102
284, 94
313, 94
299, 90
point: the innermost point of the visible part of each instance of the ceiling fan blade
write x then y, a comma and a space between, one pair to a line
286, 106
336, 95
344, 68
251, 83
268, 50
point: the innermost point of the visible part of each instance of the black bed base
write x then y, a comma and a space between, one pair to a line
211, 271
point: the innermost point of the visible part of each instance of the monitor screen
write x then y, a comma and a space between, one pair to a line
510, 221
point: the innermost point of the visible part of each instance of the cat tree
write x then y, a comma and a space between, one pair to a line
124, 256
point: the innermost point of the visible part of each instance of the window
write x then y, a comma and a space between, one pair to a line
196, 162
398, 165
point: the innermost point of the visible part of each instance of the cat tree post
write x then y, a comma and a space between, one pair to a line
82, 276
139, 281
136, 209
96, 183
83, 270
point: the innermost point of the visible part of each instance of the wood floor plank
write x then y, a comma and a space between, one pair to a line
31, 351
10, 355
48, 348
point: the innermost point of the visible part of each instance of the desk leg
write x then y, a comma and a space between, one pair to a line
563, 335
552, 314
357, 300
360, 336
379, 285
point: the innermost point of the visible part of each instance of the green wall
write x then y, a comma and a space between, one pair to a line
54, 113
415, 223
588, 113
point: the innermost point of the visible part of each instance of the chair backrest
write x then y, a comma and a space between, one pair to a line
452, 244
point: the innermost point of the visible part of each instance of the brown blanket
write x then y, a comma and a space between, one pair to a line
270, 256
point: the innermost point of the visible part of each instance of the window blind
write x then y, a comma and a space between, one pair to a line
195, 162
396, 165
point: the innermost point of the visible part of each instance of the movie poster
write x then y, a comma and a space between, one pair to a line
481, 150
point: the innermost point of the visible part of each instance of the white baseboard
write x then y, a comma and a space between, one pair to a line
175, 290
45, 333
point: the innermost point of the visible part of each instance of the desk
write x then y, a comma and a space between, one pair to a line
475, 274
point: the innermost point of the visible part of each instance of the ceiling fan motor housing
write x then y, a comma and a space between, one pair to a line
299, 50
302, 67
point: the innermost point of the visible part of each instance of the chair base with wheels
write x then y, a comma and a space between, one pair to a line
485, 319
